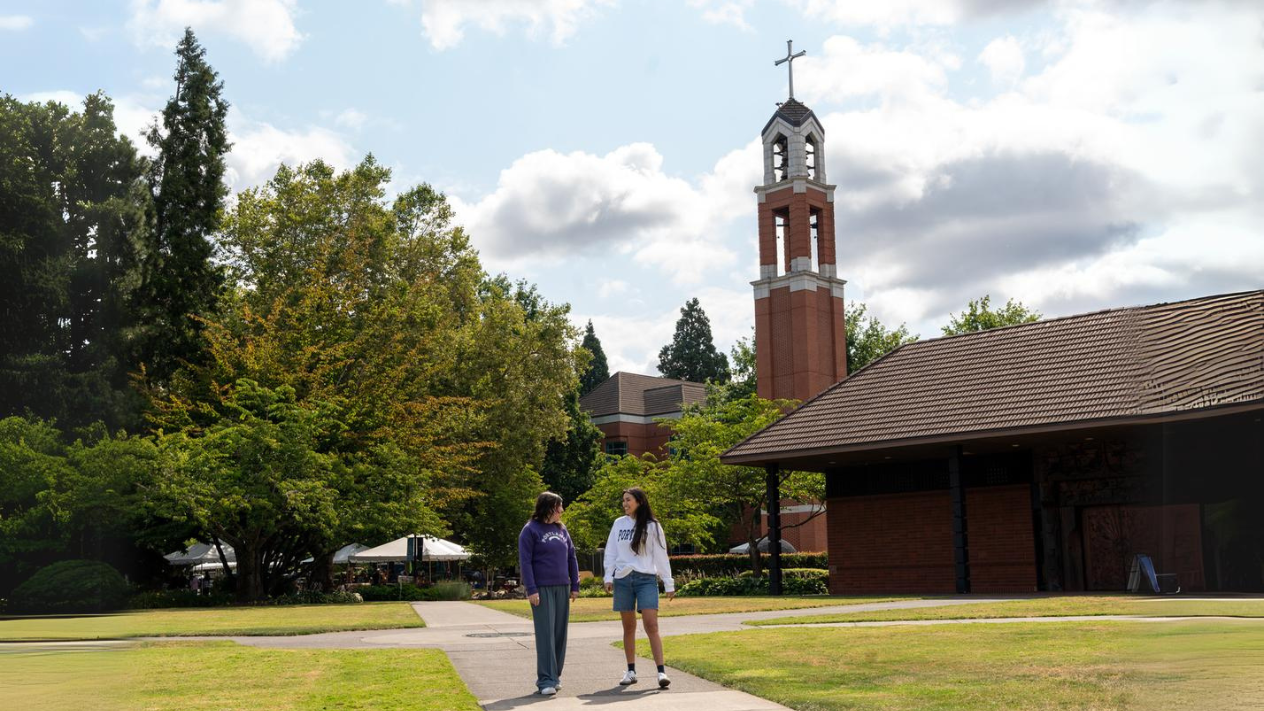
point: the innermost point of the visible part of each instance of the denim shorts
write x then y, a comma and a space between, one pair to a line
636, 591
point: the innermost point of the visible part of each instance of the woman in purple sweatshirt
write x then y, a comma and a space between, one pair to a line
550, 572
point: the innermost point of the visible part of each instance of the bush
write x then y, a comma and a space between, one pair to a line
734, 563
794, 581
451, 590
72, 586
312, 597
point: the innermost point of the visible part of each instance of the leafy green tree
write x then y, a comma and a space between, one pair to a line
571, 463
186, 178
745, 379
868, 340
72, 212
699, 484
692, 354
518, 357
597, 371
349, 317
980, 316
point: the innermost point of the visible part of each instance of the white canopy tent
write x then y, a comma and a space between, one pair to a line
433, 550
763, 547
202, 556
343, 555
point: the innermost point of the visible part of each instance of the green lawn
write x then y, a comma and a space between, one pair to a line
224, 676
596, 609
1210, 664
269, 620
1047, 607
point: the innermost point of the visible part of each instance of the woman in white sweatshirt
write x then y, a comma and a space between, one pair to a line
636, 557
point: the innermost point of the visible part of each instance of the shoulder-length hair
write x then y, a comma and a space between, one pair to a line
545, 504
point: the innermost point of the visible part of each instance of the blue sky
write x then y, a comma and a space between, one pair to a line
1076, 155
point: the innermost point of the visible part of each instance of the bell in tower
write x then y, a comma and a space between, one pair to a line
799, 334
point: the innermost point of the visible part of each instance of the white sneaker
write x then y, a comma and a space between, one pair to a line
629, 677
548, 691
663, 681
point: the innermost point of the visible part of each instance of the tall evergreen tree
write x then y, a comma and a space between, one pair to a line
598, 371
72, 211
187, 182
692, 355
571, 462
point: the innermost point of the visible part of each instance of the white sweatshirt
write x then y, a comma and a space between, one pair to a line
622, 560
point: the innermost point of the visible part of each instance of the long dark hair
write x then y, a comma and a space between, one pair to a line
644, 514
545, 504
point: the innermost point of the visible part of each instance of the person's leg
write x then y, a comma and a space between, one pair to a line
542, 616
561, 623
629, 635
649, 619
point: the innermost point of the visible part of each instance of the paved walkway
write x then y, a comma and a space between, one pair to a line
494, 653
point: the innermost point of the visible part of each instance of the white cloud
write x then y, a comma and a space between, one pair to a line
548, 206
266, 26
259, 148
846, 69
893, 13
612, 287
444, 21
352, 119
1004, 59
725, 12
15, 22
1124, 171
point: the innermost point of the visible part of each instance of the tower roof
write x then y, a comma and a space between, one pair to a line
793, 112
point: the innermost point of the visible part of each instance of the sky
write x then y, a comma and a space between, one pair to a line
1074, 155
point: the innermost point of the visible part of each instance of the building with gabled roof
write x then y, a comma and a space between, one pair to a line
1044, 456
627, 408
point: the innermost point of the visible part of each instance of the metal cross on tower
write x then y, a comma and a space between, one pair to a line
789, 59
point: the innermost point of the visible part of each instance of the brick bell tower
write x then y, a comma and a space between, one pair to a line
800, 341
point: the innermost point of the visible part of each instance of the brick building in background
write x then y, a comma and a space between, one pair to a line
1044, 456
627, 407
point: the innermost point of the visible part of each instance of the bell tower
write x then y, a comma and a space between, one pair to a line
800, 340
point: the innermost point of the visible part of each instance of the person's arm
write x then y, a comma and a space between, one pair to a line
662, 563
610, 556
574, 562
526, 547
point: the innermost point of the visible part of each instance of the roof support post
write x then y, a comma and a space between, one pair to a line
960, 539
773, 503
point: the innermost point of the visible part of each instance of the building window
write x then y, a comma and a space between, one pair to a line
780, 158
616, 448
810, 149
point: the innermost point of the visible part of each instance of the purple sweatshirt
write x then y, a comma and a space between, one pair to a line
546, 556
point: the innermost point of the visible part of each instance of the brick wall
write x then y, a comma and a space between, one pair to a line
890, 543
1002, 542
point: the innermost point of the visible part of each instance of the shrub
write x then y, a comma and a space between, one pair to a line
734, 563
794, 581
72, 586
312, 597
450, 590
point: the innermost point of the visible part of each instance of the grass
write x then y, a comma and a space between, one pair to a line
1046, 607
270, 620
228, 677
597, 609
1209, 664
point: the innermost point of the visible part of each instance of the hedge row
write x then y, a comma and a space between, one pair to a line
734, 563
796, 581
412, 593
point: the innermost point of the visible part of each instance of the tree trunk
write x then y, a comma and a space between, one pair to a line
321, 577
752, 540
250, 578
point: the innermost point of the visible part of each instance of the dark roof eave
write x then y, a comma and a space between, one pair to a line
767, 458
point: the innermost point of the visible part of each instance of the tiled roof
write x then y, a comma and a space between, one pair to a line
793, 112
644, 395
1115, 364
